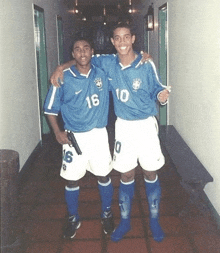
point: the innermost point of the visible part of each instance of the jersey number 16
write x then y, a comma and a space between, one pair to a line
92, 101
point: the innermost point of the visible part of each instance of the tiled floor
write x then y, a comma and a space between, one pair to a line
43, 214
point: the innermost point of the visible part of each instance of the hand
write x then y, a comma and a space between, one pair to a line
145, 57
163, 96
62, 137
57, 76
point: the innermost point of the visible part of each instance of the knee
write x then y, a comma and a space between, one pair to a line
72, 184
103, 180
128, 176
150, 175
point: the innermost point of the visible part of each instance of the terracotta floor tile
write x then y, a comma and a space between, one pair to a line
207, 243
46, 247
44, 230
52, 211
173, 191
172, 226
171, 245
200, 225
82, 247
89, 230
89, 194
130, 245
172, 206
90, 210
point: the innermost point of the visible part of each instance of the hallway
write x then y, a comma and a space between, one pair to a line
43, 210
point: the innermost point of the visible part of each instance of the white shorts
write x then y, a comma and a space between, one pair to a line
95, 157
137, 141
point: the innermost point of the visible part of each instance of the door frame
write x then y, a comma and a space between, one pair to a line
59, 26
163, 57
41, 68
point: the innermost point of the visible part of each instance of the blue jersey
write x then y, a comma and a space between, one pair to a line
82, 100
134, 87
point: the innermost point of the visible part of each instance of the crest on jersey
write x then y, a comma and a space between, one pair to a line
98, 82
136, 84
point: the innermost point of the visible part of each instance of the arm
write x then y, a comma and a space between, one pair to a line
57, 75
162, 92
61, 136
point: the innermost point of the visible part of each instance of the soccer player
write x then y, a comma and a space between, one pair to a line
136, 88
83, 101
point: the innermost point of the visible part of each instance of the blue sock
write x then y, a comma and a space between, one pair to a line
153, 192
126, 193
106, 193
72, 196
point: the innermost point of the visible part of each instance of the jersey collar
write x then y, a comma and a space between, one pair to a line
77, 74
134, 64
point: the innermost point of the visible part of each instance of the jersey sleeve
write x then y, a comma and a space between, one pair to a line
103, 61
53, 101
154, 80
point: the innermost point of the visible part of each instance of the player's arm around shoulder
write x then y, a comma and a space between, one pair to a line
57, 76
103, 61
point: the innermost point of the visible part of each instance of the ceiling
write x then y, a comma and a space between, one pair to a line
92, 9
105, 2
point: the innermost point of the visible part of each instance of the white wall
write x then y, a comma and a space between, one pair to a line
194, 73
19, 119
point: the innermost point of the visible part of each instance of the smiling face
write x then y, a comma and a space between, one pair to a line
123, 40
82, 52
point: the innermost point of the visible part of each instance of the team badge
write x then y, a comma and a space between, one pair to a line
136, 84
98, 82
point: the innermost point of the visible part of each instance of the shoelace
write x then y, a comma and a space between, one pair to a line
107, 214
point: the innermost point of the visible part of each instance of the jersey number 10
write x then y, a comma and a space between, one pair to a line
122, 95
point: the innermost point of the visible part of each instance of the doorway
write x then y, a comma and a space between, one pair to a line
163, 43
41, 58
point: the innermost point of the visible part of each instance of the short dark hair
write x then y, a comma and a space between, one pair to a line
122, 25
85, 39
